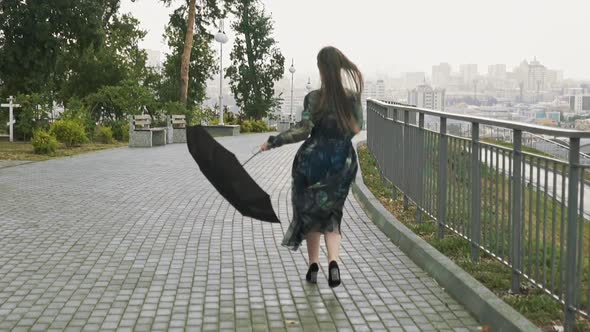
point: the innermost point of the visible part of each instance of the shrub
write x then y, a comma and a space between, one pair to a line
43, 142
259, 126
120, 129
246, 126
69, 132
76, 110
214, 122
103, 135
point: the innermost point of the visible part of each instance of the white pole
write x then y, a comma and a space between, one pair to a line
11, 117
292, 74
221, 84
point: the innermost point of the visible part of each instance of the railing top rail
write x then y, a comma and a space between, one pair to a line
525, 127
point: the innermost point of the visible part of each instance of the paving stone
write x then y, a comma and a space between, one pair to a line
137, 239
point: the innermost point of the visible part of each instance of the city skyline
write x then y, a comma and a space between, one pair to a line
386, 43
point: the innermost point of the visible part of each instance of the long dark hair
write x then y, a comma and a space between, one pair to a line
336, 70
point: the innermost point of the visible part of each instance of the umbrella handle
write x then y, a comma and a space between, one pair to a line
252, 157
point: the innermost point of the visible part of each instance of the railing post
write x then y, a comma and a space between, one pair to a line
516, 211
475, 193
572, 228
420, 151
442, 178
406, 158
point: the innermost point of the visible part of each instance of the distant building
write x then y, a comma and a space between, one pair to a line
556, 116
583, 124
536, 76
375, 90
469, 73
413, 79
424, 96
497, 71
553, 78
579, 103
532, 76
441, 75
154, 58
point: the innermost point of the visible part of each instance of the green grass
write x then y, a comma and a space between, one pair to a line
534, 304
24, 151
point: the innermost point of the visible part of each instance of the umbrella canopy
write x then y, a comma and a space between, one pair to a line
228, 176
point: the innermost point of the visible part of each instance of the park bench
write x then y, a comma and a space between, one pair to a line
176, 128
141, 134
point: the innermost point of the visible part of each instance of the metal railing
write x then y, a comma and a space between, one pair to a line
525, 210
553, 147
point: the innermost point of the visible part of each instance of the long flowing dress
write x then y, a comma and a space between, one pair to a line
324, 167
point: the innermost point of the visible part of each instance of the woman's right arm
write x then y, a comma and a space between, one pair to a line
358, 114
295, 134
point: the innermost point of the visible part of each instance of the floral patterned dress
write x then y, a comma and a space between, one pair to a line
323, 170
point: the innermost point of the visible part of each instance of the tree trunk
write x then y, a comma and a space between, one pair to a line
186, 53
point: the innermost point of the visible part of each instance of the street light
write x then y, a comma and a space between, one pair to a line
221, 38
292, 71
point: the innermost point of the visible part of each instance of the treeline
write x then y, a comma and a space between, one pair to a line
85, 56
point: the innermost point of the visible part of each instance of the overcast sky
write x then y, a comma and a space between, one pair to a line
386, 37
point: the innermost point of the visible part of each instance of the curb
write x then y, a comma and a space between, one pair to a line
485, 306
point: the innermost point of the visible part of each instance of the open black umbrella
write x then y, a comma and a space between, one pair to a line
228, 176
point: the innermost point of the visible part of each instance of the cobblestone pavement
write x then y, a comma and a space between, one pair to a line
137, 239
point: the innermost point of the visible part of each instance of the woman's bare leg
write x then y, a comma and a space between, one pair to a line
333, 245
313, 246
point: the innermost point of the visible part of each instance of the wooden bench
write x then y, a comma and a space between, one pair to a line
176, 128
141, 134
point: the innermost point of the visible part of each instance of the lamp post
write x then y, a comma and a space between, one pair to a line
221, 38
308, 86
292, 71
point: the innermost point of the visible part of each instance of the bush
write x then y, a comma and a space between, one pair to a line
246, 126
259, 126
44, 143
103, 135
69, 132
75, 110
214, 122
120, 129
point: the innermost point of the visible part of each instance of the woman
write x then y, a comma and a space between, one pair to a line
326, 164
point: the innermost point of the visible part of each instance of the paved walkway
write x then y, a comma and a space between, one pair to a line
137, 239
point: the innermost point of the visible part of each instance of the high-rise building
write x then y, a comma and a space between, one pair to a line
497, 71
469, 73
553, 78
153, 58
424, 96
536, 76
580, 103
375, 90
413, 79
441, 74
533, 75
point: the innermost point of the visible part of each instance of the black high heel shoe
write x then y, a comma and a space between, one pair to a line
312, 273
333, 274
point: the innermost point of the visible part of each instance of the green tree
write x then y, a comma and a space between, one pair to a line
202, 64
116, 102
34, 35
202, 12
115, 59
32, 115
257, 62
66, 48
